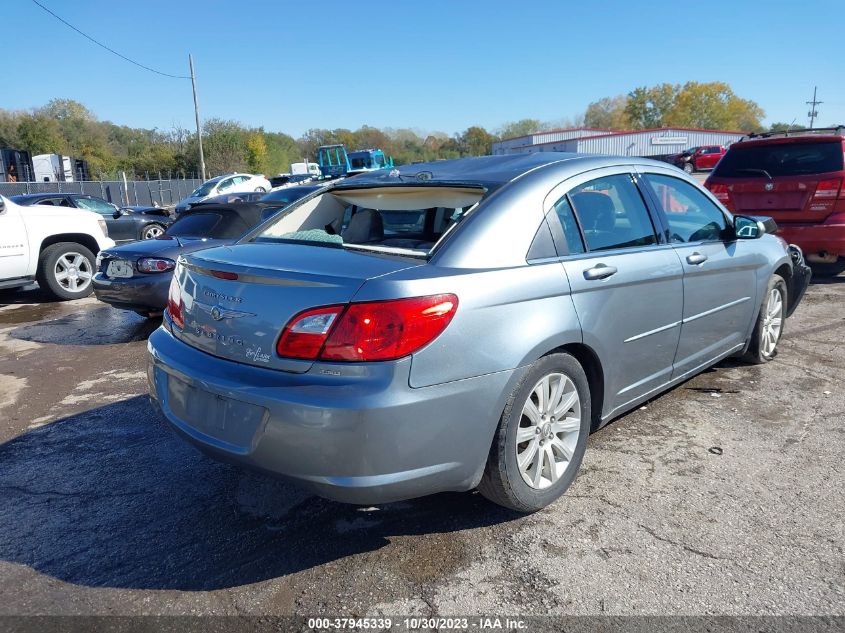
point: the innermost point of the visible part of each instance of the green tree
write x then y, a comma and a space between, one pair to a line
476, 141
523, 127
256, 149
38, 134
713, 106
224, 143
647, 107
608, 113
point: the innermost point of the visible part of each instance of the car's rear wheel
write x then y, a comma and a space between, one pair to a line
541, 438
769, 326
260, 189
152, 231
65, 270
689, 167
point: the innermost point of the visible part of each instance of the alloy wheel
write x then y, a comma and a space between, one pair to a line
772, 322
152, 232
548, 430
73, 271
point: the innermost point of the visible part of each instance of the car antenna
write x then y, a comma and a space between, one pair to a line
789, 127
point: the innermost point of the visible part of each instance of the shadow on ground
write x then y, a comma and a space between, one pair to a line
112, 498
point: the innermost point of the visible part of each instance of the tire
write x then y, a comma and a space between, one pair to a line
689, 168
767, 331
65, 270
260, 190
504, 482
152, 231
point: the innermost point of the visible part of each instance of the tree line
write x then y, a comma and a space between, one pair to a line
64, 126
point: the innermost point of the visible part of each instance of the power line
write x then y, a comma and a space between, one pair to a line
111, 50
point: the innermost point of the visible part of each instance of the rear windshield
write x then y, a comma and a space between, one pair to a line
215, 226
409, 219
785, 159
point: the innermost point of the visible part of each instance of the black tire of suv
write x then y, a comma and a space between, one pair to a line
502, 482
47, 264
755, 354
689, 168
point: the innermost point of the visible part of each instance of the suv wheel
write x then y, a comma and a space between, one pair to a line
541, 438
770, 321
689, 167
65, 270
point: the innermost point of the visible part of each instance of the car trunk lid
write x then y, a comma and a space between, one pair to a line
237, 300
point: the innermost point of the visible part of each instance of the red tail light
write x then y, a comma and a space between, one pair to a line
381, 330
174, 302
828, 189
222, 274
720, 192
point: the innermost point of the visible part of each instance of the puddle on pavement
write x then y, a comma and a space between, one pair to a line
29, 313
98, 326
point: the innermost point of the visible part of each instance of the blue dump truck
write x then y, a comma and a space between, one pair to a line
335, 162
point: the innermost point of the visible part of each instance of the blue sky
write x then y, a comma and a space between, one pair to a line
431, 65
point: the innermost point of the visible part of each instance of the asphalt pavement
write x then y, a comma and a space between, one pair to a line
723, 496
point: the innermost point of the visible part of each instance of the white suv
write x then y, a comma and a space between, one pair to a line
55, 246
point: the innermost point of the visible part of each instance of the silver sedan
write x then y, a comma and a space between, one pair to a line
463, 324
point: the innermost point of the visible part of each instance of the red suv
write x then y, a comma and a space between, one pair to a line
794, 177
698, 158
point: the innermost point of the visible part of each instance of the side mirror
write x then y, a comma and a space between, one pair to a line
117, 213
748, 228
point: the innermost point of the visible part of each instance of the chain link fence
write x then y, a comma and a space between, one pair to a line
136, 192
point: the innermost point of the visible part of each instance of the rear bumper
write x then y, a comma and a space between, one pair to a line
356, 433
815, 238
136, 293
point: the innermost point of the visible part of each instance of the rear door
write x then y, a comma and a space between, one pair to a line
794, 180
626, 286
719, 272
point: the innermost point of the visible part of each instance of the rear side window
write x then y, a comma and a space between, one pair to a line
692, 216
566, 215
612, 214
784, 159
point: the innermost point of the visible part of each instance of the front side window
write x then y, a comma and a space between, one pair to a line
692, 216
612, 214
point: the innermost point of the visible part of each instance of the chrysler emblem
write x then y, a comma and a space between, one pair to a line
769, 186
218, 313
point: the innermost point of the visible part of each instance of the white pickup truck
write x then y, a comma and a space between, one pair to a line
55, 246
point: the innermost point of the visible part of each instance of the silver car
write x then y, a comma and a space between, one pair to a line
463, 324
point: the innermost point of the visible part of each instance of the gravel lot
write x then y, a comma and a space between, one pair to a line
723, 496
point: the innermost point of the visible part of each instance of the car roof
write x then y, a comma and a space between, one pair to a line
489, 171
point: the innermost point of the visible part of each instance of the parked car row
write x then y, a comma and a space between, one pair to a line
228, 184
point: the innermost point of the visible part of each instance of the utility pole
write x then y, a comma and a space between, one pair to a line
197, 114
813, 113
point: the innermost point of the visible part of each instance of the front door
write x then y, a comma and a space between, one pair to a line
626, 287
719, 273
14, 249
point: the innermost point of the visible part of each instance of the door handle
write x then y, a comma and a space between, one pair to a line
696, 258
599, 271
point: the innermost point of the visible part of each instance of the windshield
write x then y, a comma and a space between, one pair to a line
406, 219
204, 189
286, 196
780, 159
